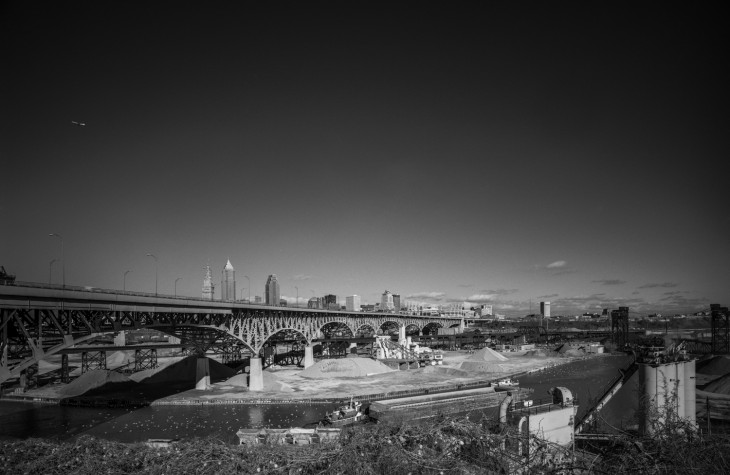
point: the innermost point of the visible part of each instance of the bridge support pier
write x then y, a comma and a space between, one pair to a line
256, 375
402, 335
202, 374
308, 356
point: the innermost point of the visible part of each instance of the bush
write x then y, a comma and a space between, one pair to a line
443, 446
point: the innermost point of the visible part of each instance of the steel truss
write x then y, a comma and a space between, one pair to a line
91, 360
31, 331
145, 359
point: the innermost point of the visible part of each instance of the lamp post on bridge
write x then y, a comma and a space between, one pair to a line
155, 258
249, 288
50, 270
124, 280
176, 285
63, 261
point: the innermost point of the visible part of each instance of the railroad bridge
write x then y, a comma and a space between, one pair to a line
38, 321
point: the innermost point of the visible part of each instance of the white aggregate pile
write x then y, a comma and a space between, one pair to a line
92, 380
345, 368
485, 360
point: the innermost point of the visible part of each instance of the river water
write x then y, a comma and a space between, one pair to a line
585, 378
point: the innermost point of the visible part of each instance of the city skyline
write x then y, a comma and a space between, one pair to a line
501, 156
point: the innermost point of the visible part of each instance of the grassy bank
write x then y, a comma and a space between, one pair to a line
446, 446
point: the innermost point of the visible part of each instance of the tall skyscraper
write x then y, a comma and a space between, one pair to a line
545, 309
208, 287
352, 303
228, 282
386, 302
329, 302
396, 303
273, 295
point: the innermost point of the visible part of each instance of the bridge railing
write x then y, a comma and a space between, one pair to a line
99, 290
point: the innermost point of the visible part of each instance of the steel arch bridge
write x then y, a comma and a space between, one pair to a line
38, 321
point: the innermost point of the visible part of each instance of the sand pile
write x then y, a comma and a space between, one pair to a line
139, 376
481, 367
183, 370
271, 382
92, 380
715, 365
118, 358
487, 355
721, 385
345, 368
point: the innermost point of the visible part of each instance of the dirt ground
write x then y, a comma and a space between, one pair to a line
287, 383
293, 386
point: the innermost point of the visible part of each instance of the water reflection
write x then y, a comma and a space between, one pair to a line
18, 420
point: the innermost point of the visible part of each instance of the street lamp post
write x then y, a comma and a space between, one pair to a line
155, 258
124, 280
50, 270
63, 261
176, 285
249, 288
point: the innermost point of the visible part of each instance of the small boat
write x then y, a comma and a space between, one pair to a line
345, 415
507, 383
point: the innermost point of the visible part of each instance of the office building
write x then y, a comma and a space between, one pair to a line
314, 302
228, 282
329, 302
545, 309
208, 287
273, 295
386, 302
352, 303
396, 303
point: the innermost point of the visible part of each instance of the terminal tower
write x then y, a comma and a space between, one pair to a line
208, 286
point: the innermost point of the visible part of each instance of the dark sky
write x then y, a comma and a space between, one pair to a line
570, 152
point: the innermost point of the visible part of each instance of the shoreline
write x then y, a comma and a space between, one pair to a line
411, 382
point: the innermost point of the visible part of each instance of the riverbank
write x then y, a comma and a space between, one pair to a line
288, 385
291, 386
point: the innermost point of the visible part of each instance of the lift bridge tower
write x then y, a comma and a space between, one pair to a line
720, 329
620, 326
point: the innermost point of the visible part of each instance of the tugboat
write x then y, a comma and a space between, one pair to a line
345, 415
507, 383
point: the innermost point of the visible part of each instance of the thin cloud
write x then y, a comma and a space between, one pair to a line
665, 285
427, 295
465, 286
480, 298
499, 291
609, 281
557, 264
548, 296
302, 277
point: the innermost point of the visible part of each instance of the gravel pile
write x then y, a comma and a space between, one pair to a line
715, 365
345, 368
720, 385
183, 370
488, 355
91, 380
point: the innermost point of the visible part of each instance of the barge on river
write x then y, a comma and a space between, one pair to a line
486, 400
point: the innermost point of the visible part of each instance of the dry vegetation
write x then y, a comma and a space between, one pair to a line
453, 446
